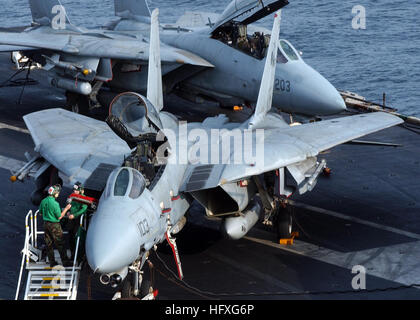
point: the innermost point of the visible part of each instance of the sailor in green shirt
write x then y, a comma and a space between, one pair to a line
76, 211
52, 214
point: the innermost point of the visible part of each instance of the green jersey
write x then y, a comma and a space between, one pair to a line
50, 209
77, 209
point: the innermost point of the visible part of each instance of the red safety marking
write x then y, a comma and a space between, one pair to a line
92, 202
175, 255
166, 210
80, 197
176, 198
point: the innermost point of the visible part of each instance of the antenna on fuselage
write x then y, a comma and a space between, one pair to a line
154, 81
265, 96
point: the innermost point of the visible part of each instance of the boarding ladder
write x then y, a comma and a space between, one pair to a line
44, 282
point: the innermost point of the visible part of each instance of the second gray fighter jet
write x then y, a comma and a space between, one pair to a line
217, 60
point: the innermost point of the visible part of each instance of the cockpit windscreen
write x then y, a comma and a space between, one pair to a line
288, 50
121, 183
138, 185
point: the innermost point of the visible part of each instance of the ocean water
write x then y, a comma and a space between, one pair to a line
383, 58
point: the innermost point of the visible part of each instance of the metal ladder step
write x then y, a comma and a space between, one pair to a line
46, 266
48, 295
51, 278
52, 284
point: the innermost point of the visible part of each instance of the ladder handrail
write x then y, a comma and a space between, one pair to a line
71, 286
24, 251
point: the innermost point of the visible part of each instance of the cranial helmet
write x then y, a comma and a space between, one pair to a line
54, 190
78, 187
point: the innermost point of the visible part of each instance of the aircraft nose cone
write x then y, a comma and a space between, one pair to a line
331, 99
317, 95
326, 97
111, 244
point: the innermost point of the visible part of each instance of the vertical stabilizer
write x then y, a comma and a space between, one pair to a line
265, 96
154, 81
49, 13
130, 9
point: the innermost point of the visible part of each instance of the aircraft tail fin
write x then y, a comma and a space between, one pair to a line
154, 81
265, 96
131, 9
49, 12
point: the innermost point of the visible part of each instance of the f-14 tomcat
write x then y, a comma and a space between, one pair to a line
134, 161
222, 60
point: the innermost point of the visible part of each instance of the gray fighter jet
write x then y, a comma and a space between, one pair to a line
147, 167
222, 60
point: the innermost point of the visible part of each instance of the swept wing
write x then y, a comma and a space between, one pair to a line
76, 145
98, 47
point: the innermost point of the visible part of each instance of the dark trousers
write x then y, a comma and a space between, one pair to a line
54, 237
73, 227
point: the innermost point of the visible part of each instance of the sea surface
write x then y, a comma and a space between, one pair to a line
383, 58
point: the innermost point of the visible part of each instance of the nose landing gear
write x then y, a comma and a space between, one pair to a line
138, 285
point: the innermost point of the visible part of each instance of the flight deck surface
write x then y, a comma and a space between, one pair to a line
367, 212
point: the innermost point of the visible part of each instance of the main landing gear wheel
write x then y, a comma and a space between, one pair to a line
284, 222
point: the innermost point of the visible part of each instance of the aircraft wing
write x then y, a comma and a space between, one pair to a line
96, 46
286, 146
8, 48
76, 145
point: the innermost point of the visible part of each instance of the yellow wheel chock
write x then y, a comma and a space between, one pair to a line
289, 242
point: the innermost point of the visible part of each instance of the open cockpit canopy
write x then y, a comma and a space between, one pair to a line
247, 11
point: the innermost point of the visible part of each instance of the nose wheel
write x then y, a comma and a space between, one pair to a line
138, 285
128, 291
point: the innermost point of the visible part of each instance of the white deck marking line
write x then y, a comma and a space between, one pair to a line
11, 164
7, 126
399, 263
356, 220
